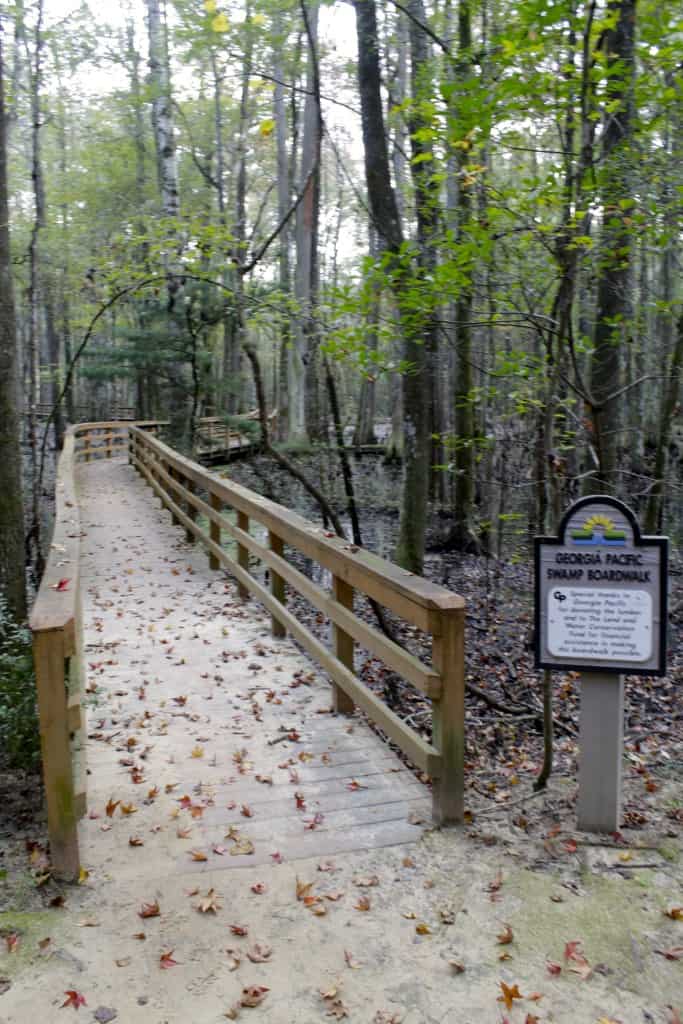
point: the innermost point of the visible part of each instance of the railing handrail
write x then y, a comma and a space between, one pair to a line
419, 591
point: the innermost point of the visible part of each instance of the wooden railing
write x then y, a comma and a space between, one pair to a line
102, 440
189, 490
58, 648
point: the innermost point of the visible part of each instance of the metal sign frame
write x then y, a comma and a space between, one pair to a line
661, 544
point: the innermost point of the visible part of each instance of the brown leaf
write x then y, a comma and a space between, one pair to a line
253, 995
259, 953
675, 913
166, 960
198, 855
135, 841
457, 966
366, 881
209, 904
111, 806
423, 929
123, 961
239, 929
149, 910
351, 961
128, 809
672, 953
303, 889
247, 811
74, 998
259, 888
363, 903
506, 936
510, 993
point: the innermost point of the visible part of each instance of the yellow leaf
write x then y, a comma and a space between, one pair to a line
83, 876
266, 127
258, 20
209, 6
198, 752
220, 23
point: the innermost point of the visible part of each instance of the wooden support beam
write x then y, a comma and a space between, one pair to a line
191, 510
62, 813
215, 530
277, 584
243, 554
343, 646
448, 722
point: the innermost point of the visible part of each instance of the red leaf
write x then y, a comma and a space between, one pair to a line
553, 968
166, 960
62, 585
74, 999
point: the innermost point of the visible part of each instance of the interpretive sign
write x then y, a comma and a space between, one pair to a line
601, 593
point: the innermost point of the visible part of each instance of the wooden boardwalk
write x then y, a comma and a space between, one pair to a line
216, 740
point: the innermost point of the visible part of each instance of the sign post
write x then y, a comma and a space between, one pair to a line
601, 609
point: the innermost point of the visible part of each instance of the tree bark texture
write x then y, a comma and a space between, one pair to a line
12, 572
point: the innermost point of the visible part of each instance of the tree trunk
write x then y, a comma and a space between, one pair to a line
284, 191
12, 573
304, 406
384, 210
613, 314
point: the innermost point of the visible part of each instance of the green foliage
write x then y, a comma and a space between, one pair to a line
19, 735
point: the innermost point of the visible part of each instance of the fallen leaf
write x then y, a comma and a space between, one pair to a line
123, 961
259, 953
135, 841
149, 910
183, 833
74, 999
57, 901
423, 929
60, 587
259, 888
673, 953
277, 857
197, 752
351, 961
457, 966
366, 881
111, 807
253, 995
239, 929
553, 968
198, 855
166, 960
140, 936
506, 936
83, 875
363, 903
510, 993
128, 809
675, 913
247, 811
354, 785
209, 904
303, 889
105, 1014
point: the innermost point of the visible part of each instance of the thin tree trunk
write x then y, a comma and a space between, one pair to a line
12, 573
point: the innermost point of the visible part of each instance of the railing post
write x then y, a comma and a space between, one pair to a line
174, 476
343, 646
243, 553
448, 716
191, 510
277, 584
87, 446
215, 530
62, 817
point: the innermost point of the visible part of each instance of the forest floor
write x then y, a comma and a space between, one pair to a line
515, 917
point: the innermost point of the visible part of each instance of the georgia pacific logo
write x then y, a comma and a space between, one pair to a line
598, 529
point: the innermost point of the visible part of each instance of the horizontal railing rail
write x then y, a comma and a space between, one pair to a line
189, 491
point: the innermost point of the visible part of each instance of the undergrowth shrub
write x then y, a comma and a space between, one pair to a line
19, 735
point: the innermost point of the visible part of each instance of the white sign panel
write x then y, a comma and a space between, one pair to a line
612, 625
